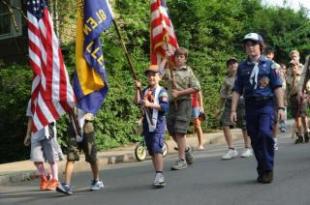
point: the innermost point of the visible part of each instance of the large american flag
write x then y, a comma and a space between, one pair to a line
162, 32
52, 94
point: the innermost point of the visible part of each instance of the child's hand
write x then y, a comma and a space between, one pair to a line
138, 84
175, 93
27, 140
147, 103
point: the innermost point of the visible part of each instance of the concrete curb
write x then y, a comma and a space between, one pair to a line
25, 171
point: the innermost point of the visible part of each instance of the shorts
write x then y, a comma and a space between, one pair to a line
179, 116
225, 119
45, 150
88, 145
298, 111
195, 116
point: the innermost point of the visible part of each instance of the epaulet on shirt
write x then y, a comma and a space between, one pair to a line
275, 66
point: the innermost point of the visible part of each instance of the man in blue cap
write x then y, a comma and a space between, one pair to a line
260, 84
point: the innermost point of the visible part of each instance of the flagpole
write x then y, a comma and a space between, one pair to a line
133, 72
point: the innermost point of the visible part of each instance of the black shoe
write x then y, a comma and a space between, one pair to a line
267, 177
306, 137
299, 140
259, 179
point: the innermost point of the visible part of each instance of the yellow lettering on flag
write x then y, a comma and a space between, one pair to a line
89, 79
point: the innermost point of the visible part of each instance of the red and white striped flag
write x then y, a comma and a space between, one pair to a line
52, 94
163, 37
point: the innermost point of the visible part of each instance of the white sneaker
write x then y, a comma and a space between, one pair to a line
231, 153
159, 180
247, 153
96, 185
276, 145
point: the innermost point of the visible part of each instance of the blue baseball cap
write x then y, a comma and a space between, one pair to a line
253, 37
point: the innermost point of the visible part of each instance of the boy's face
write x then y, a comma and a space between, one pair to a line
270, 55
295, 57
180, 60
152, 78
252, 48
232, 67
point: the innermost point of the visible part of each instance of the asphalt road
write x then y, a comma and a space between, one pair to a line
210, 181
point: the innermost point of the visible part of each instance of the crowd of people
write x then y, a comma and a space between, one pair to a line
254, 97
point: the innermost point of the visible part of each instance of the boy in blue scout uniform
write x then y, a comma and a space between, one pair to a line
154, 100
258, 81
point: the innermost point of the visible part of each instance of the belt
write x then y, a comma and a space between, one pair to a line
258, 98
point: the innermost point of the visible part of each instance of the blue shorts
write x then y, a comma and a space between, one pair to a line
155, 140
195, 112
154, 143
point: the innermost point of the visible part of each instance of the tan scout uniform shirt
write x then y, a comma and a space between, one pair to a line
184, 78
294, 85
227, 86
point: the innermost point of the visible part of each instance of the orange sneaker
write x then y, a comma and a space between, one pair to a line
43, 183
52, 185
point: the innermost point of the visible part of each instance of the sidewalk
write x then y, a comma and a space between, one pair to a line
25, 170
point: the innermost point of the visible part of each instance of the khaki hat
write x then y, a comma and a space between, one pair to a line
231, 60
152, 68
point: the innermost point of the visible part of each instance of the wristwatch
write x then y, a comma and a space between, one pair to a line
281, 108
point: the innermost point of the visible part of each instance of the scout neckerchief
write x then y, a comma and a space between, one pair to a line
154, 116
254, 75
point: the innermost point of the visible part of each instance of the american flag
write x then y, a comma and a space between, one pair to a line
162, 32
51, 94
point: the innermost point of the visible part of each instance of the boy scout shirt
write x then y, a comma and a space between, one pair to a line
227, 86
184, 78
267, 81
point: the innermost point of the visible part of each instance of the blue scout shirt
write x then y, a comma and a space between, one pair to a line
267, 80
164, 105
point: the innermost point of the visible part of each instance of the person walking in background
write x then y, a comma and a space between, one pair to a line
283, 75
44, 147
270, 54
154, 100
226, 123
258, 81
197, 115
297, 102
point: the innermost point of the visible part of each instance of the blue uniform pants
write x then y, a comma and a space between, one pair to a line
259, 122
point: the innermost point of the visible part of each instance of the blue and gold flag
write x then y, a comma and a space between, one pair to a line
90, 81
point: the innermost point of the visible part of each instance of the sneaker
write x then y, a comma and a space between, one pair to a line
179, 164
96, 185
43, 183
64, 188
52, 185
159, 180
276, 146
231, 153
189, 157
247, 153
200, 148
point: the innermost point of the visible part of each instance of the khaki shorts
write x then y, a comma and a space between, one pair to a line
88, 145
179, 117
225, 119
